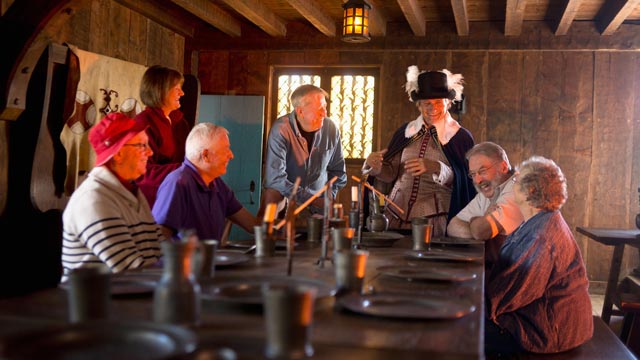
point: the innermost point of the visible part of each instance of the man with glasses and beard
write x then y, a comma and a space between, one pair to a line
493, 213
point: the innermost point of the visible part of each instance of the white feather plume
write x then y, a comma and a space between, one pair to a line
455, 82
412, 80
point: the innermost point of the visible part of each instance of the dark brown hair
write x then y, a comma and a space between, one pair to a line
157, 81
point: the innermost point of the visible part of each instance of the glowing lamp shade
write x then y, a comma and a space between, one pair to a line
355, 24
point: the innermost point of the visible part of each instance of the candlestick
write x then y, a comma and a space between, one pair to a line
270, 213
338, 212
269, 216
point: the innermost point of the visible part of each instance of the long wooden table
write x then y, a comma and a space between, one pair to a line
336, 333
617, 238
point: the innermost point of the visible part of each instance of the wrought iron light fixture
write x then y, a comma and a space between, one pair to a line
355, 23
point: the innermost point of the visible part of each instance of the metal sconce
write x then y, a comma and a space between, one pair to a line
355, 24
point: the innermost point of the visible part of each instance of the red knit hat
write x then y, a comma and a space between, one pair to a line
108, 136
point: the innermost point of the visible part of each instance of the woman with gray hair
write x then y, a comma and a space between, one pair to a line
537, 293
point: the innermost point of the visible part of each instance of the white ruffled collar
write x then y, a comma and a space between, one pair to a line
413, 127
446, 130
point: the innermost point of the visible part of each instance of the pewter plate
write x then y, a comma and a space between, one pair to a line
246, 244
101, 340
417, 273
249, 291
453, 241
441, 255
380, 239
228, 258
398, 306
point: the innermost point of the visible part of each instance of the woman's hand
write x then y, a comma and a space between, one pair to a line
374, 160
419, 166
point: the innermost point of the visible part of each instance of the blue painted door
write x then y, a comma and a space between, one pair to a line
243, 116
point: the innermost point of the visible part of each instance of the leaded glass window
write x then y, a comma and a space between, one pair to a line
352, 101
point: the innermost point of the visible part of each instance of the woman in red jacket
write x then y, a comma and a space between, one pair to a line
160, 91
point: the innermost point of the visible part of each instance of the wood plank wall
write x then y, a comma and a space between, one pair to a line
579, 108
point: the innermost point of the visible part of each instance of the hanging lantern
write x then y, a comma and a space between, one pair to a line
355, 24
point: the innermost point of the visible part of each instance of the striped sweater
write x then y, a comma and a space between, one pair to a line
104, 223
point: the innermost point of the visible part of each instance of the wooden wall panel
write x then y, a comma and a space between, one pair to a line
212, 72
238, 73
610, 182
575, 136
473, 66
258, 74
99, 24
137, 38
540, 98
118, 31
155, 46
395, 106
327, 58
77, 29
557, 85
282, 58
358, 58
504, 107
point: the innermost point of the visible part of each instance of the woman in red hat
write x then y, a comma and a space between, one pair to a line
108, 220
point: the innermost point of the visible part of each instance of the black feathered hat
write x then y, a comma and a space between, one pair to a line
433, 84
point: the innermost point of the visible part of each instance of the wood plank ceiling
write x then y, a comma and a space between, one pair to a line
272, 16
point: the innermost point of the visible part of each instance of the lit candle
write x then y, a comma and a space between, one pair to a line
270, 213
354, 193
381, 199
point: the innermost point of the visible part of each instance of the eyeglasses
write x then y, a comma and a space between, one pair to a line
482, 171
140, 146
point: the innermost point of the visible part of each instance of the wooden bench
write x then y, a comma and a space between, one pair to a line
603, 345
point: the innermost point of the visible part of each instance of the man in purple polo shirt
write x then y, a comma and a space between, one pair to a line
194, 196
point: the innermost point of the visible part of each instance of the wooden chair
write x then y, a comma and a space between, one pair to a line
628, 301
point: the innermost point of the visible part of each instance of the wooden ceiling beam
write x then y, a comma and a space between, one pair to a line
460, 14
212, 14
377, 19
613, 13
413, 13
514, 16
315, 15
568, 14
169, 19
260, 15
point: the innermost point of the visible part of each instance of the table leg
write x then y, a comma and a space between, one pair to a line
612, 282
